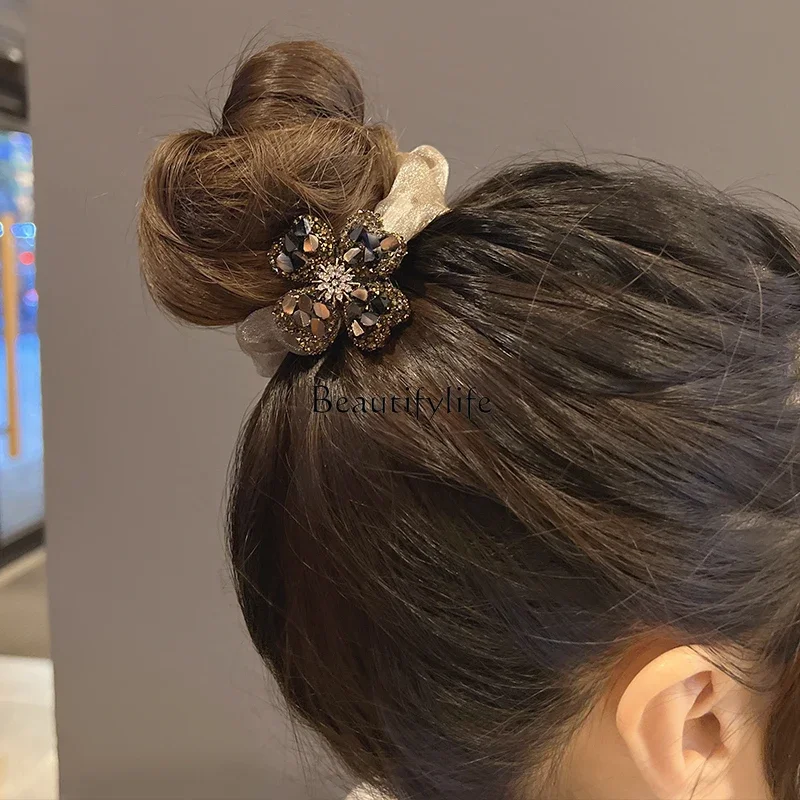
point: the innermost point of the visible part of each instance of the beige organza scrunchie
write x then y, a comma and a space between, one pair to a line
416, 198
417, 194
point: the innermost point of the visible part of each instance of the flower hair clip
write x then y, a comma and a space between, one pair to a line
342, 282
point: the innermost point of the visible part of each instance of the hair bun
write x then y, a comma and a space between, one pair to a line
295, 80
291, 138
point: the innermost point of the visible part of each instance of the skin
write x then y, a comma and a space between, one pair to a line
672, 727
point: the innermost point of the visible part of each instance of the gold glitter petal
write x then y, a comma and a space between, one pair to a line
319, 245
389, 253
307, 333
377, 334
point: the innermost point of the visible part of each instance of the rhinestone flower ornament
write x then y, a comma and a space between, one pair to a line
340, 281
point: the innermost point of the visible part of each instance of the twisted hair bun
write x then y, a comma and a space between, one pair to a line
291, 138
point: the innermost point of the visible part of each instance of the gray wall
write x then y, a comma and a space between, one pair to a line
158, 694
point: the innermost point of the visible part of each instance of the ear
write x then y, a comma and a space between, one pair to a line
682, 721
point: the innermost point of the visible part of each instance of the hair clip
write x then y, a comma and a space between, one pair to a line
344, 281
341, 282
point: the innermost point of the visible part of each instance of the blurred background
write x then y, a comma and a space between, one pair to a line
21, 481
27, 737
123, 596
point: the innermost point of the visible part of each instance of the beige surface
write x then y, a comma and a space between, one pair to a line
23, 608
28, 766
160, 695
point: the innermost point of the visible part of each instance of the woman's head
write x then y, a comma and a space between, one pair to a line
601, 571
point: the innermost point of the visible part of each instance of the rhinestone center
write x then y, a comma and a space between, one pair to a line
335, 281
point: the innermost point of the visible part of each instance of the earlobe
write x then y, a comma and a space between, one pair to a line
677, 717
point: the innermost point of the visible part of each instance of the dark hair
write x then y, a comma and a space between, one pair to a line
443, 598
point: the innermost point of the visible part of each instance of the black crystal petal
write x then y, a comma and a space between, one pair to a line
302, 227
354, 310
379, 304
